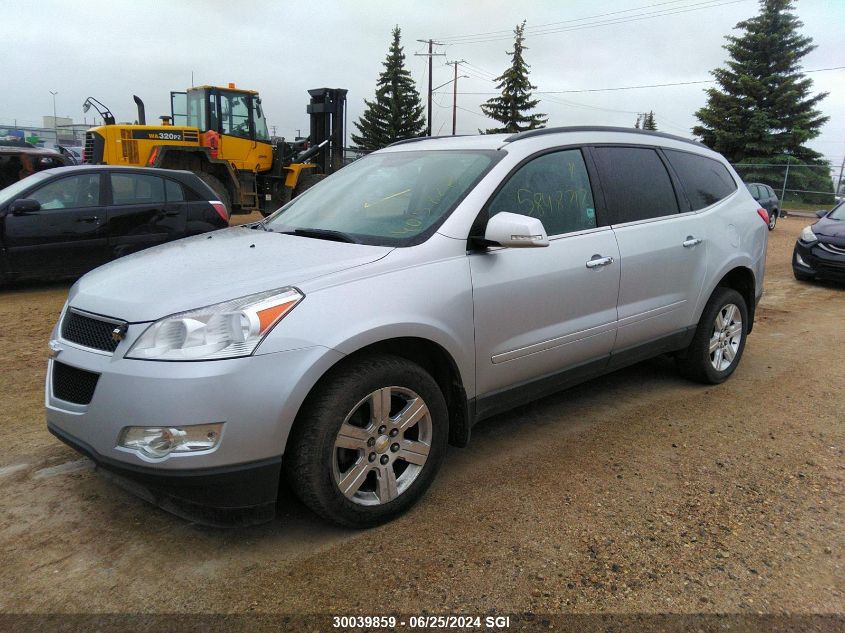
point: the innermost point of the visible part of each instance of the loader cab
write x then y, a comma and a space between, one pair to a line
227, 111
234, 117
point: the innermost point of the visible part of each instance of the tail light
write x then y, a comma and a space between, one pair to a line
764, 215
221, 209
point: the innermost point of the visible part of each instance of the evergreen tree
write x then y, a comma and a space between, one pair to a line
511, 109
397, 111
762, 107
648, 121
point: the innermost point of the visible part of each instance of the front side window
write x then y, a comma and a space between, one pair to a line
553, 188
234, 114
635, 183
706, 181
390, 199
73, 192
261, 133
136, 189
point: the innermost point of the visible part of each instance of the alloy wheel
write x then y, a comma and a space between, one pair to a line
382, 446
726, 337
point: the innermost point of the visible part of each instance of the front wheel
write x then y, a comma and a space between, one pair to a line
368, 441
719, 339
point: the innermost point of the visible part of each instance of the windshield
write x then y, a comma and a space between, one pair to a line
838, 212
13, 190
392, 199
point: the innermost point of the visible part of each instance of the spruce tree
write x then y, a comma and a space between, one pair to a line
648, 121
511, 109
763, 107
397, 111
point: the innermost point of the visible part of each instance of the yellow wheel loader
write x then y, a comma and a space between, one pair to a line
221, 135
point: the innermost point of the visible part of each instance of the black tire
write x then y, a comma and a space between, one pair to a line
306, 181
218, 187
773, 219
697, 362
311, 458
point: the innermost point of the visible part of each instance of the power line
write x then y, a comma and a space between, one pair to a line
589, 17
616, 88
708, 4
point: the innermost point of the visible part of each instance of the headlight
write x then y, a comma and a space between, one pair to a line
807, 235
159, 441
224, 330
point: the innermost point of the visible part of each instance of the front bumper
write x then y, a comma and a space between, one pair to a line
257, 399
815, 261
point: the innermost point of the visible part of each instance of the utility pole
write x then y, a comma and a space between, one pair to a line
431, 54
455, 95
839, 182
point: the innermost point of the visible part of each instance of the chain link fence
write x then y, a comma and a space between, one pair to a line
796, 184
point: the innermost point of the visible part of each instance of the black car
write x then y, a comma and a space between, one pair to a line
820, 251
767, 199
64, 222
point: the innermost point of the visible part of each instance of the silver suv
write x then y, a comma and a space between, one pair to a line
346, 339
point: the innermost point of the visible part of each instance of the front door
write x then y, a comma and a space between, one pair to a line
541, 311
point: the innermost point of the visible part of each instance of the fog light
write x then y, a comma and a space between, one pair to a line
161, 441
800, 260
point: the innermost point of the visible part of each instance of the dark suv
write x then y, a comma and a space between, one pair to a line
64, 222
767, 198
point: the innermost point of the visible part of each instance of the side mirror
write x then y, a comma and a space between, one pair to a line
821, 213
24, 205
515, 231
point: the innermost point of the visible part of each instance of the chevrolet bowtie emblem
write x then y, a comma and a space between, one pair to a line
118, 333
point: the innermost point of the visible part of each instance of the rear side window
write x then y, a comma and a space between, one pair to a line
555, 189
136, 189
636, 184
706, 181
174, 191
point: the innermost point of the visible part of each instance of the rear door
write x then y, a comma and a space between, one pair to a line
66, 236
140, 214
662, 245
541, 311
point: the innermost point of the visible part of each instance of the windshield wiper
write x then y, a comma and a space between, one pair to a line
323, 234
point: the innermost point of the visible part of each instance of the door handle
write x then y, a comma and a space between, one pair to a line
597, 261
89, 218
691, 241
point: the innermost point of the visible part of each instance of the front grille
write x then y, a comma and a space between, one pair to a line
833, 248
73, 385
89, 331
189, 136
88, 156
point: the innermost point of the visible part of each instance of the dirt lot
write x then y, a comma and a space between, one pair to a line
637, 492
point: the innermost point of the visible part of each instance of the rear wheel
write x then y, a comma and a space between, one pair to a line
368, 442
719, 339
218, 187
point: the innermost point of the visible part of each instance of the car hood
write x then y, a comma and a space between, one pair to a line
210, 268
830, 228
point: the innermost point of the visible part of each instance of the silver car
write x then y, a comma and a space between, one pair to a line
346, 339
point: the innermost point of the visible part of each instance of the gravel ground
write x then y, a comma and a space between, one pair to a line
634, 493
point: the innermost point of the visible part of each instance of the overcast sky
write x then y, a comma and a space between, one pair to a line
116, 48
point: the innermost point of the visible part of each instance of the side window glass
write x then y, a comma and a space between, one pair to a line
174, 191
74, 192
706, 181
636, 185
235, 114
136, 189
553, 188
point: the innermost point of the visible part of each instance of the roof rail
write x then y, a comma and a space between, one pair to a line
424, 138
597, 128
